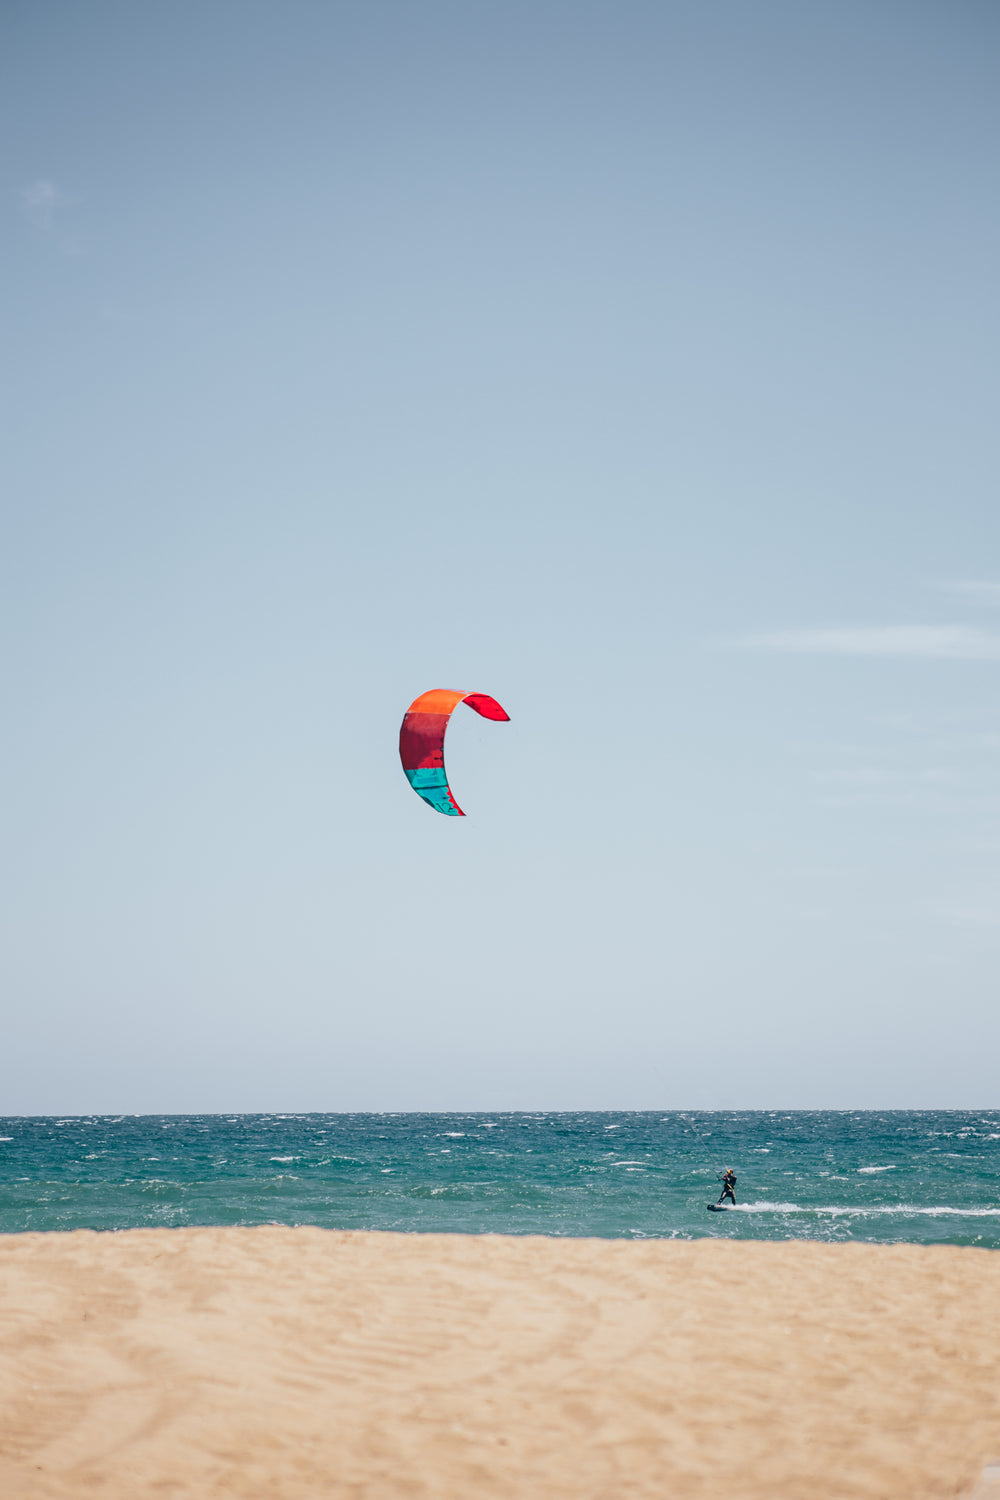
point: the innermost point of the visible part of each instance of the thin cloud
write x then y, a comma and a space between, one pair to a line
983, 591
864, 777
985, 915
41, 200
918, 642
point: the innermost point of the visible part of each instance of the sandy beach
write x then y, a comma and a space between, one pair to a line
279, 1362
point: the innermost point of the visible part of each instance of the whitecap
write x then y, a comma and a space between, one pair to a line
850, 1211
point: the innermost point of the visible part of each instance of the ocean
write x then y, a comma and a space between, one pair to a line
920, 1177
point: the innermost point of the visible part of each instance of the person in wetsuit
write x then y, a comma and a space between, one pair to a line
728, 1186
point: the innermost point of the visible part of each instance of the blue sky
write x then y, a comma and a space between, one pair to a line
633, 363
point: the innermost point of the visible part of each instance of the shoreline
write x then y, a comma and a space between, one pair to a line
281, 1362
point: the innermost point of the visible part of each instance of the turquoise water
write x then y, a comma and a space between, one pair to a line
920, 1177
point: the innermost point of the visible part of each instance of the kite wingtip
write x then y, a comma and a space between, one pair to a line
488, 707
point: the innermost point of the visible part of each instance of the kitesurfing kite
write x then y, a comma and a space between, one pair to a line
421, 742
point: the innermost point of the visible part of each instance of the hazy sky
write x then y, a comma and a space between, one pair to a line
633, 363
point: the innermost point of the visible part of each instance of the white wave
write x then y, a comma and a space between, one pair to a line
843, 1210
455, 1135
877, 1169
935, 1211
283, 1158
944, 1211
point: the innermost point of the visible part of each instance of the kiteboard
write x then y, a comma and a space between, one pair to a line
718, 1208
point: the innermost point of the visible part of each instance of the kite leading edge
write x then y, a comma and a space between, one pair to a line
421, 742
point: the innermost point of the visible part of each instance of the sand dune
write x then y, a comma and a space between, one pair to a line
302, 1363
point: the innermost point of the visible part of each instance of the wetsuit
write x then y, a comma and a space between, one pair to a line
728, 1184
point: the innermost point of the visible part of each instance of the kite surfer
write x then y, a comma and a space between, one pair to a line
728, 1181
